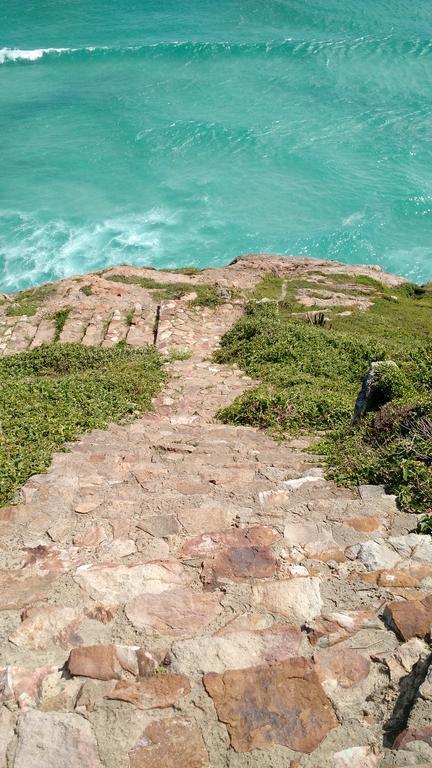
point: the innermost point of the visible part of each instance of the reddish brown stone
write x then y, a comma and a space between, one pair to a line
364, 524
157, 691
92, 537
43, 625
342, 666
23, 685
210, 543
409, 618
20, 588
171, 743
43, 559
281, 703
97, 661
332, 628
176, 612
389, 578
120, 527
237, 563
414, 734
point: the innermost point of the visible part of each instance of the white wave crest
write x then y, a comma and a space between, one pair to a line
19, 54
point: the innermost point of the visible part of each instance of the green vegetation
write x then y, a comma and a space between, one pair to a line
425, 525
130, 317
28, 302
87, 290
207, 295
311, 374
60, 318
50, 395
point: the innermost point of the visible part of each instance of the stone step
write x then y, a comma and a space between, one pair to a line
45, 332
116, 331
141, 329
75, 325
22, 334
96, 329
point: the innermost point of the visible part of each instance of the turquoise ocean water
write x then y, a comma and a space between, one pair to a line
174, 133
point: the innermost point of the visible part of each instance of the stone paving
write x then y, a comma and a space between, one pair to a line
179, 593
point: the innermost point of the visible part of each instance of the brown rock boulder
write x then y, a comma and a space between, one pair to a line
410, 618
281, 703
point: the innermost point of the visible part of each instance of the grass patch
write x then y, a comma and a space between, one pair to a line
310, 377
60, 318
28, 302
87, 290
50, 395
207, 295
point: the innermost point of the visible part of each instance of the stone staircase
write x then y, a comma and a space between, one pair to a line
181, 593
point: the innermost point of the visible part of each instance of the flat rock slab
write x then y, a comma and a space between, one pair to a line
237, 650
298, 599
240, 563
110, 662
410, 618
281, 703
162, 690
341, 666
178, 612
118, 583
209, 543
48, 740
171, 743
20, 588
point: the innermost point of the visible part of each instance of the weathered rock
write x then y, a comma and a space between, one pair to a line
6, 733
281, 703
178, 612
391, 553
409, 618
364, 525
298, 599
57, 740
109, 662
91, 537
171, 743
341, 666
160, 525
44, 625
85, 507
237, 650
238, 563
210, 543
20, 588
161, 690
43, 559
356, 757
119, 583
195, 520
402, 660
414, 734
23, 686
313, 538
332, 628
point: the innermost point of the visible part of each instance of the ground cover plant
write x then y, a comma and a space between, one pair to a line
206, 295
28, 302
310, 376
50, 395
